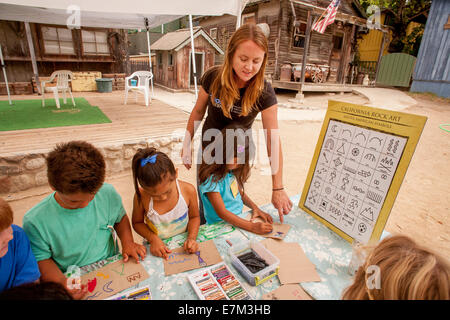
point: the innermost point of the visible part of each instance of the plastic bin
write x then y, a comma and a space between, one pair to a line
263, 275
104, 84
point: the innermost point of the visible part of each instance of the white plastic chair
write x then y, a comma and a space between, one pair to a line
62, 84
143, 81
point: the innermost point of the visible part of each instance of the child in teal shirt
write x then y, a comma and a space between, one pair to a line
222, 182
75, 224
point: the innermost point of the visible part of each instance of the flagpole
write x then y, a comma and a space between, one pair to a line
325, 10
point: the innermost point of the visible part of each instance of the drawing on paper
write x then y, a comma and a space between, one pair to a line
113, 278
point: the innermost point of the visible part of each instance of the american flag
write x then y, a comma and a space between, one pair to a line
321, 24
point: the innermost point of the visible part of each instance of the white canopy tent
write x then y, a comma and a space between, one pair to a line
138, 14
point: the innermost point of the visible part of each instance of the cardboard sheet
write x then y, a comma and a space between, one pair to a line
287, 292
113, 278
180, 261
295, 267
279, 229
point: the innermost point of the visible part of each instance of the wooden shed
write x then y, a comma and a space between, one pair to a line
58, 47
329, 55
432, 71
173, 66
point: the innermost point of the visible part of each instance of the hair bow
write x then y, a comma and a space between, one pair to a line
151, 159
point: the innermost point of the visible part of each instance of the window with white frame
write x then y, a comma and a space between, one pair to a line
213, 33
57, 40
248, 18
95, 42
299, 35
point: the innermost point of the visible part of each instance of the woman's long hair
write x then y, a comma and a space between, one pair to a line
233, 142
224, 86
407, 272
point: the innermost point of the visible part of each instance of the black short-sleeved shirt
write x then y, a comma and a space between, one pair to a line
215, 117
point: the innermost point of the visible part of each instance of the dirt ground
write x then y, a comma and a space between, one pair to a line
420, 211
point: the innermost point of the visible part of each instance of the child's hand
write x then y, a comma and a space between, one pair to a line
263, 215
190, 246
134, 250
159, 249
77, 292
261, 227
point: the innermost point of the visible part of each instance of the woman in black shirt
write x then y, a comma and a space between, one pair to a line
236, 92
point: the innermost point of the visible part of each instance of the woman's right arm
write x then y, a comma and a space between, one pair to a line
194, 121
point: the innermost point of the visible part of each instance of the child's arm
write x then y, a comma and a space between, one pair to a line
51, 273
219, 206
157, 247
256, 211
191, 244
129, 247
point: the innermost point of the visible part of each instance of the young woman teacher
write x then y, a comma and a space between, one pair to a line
236, 92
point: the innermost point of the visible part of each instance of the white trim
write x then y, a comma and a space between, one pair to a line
210, 31
206, 36
248, 15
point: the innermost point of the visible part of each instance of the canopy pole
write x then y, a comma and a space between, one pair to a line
194, 70
149, 53
4, 74
33, 57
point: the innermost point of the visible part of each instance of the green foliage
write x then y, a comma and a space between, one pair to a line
401, 13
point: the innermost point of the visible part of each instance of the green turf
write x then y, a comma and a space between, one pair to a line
29, 114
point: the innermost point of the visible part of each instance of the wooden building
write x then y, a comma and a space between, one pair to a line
173, 66
58, 47
432, 70
329, 55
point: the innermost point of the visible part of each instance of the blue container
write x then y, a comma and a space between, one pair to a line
133, 82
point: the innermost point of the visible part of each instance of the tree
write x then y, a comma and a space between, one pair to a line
401, 13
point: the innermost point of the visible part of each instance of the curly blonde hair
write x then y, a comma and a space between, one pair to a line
407, 272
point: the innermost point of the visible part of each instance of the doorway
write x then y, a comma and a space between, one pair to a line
198, 67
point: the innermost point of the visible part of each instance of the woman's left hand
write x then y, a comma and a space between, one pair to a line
281, 202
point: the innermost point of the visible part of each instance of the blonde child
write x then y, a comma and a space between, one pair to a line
222, 182
163, 206
405, 271
17, 263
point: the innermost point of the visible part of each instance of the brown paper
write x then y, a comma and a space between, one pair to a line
113, 278
180, 261
295, 267
279, 230
287, 292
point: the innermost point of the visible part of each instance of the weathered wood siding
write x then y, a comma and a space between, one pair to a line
18, 62
225, 25
279, 16
432, 71
177, 75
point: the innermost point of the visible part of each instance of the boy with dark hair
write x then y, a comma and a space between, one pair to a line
76, 224
17, 263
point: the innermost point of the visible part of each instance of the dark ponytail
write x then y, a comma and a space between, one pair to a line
151, 174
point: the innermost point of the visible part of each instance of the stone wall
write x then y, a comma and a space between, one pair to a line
25, 171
